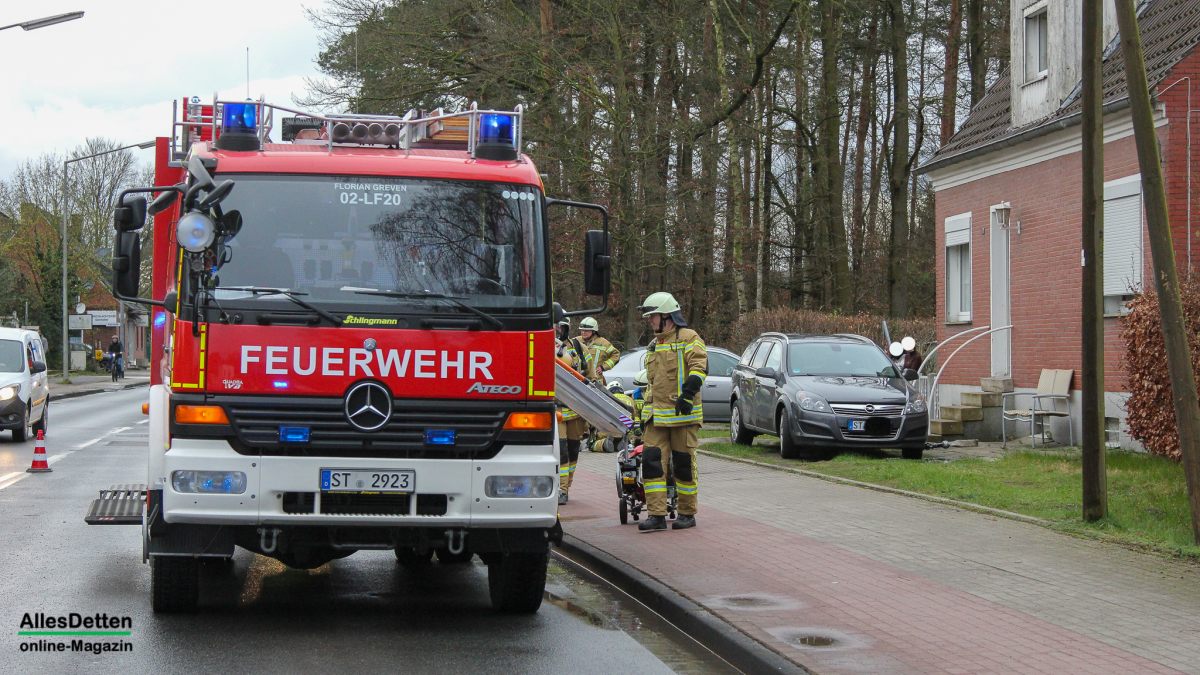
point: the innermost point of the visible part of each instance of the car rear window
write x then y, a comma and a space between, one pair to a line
830, 359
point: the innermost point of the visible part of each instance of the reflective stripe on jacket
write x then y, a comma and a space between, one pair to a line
670, 359
566, 350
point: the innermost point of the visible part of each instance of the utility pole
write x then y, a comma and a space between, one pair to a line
1095, 487
1166, 279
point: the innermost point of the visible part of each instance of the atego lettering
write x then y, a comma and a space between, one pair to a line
430, 364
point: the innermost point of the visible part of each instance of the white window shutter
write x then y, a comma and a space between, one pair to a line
1122, 237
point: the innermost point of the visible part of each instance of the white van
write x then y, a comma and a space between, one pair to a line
24, 385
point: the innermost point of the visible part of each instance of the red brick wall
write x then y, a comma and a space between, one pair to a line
1044, 268
1176, 158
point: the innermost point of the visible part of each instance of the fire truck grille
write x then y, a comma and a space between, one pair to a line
477, 426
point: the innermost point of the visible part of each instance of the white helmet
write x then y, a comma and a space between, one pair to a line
614, 386
642, 378
659, 303
896, 349
908, 344
589, 323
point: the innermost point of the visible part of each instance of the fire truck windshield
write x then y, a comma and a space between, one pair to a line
332, 237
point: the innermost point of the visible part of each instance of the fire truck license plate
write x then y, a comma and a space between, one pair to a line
367, 480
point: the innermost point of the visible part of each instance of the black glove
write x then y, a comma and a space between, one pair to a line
683, 406
691, 386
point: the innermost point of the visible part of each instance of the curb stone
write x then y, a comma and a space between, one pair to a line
87, 392
738, 649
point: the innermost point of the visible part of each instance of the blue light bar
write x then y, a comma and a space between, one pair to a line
440, 437
160, 319
494, 128
293, 434
240, 118
280, 384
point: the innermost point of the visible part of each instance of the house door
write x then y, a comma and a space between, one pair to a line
1000, 314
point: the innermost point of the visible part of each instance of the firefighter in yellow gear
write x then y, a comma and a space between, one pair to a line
676, 365
599, 353
571, 426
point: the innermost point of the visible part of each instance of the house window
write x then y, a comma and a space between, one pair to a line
1122, 242
958, 268
1036, 36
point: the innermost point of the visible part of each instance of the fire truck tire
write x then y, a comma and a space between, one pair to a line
445, 557
516, 581
174, 583
409, 559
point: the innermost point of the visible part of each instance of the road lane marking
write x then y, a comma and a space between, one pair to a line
144, 422
17, 476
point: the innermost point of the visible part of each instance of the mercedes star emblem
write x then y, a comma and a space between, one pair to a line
368, 406
369, 344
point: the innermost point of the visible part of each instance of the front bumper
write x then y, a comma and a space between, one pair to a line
285, 490
12, 413
829, 430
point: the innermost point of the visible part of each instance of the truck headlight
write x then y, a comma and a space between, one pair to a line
209, 482
916, 406
518, 486
814, 404
9, 392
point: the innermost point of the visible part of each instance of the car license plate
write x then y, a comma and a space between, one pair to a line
367, 480
856, 425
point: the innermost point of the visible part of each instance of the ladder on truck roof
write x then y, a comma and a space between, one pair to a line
414, 129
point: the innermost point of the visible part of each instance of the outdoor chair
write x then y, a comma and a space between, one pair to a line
1052, 399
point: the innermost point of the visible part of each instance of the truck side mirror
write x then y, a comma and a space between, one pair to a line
597, 264
127, 263
37, 367
131, 214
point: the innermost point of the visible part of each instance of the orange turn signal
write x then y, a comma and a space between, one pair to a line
528, 421
200, 414
145, 408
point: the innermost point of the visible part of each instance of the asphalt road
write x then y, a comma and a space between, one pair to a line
358, 613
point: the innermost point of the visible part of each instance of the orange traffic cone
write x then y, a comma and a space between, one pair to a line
39, 455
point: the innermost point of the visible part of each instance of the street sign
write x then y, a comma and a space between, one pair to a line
79, 322
103, 317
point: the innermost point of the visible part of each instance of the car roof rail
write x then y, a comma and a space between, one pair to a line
857, 338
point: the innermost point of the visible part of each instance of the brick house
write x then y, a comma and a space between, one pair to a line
1008, 199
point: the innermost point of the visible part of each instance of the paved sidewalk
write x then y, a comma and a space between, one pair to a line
842, 579
81, 385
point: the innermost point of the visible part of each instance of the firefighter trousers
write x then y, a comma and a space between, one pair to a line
570, 432
670, 451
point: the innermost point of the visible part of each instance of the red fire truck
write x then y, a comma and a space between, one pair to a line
353, 340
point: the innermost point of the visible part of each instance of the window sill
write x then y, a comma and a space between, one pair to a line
1036, 78
958, 323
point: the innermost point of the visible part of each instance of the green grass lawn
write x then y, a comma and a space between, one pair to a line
1147, 495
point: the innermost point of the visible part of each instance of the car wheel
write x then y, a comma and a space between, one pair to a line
912, 453
738, 433
41, 424
25, 431
787, 445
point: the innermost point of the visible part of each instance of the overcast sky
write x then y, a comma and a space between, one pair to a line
114, 72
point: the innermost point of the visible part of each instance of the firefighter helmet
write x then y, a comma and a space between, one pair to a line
642, 378
659, 303
614, 386
589, 323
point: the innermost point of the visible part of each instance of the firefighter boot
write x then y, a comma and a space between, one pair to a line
653, 524
683, 522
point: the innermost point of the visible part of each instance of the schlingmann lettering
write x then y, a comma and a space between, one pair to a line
337, 361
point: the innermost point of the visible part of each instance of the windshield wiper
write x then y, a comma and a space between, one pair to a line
290, 295
454, 299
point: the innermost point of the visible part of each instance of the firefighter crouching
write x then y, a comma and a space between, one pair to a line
603, 443
570, 426
598, 352
676, 365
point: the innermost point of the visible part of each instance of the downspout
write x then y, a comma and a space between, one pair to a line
1187, 125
